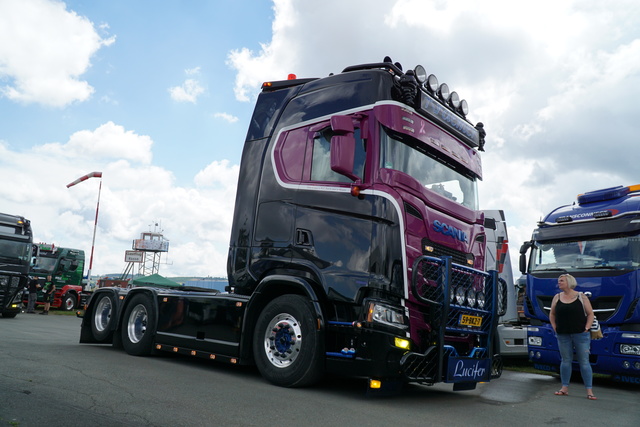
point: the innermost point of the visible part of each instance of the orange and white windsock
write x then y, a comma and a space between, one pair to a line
85, 177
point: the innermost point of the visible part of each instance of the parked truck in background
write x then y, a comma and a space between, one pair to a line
512, 332
66, 267
15, 257
357, 246
596, 240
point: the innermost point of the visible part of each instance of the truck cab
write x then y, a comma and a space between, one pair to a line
356, 248
15, 259
597, 240
65, 266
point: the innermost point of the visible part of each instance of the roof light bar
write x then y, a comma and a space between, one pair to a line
429, 83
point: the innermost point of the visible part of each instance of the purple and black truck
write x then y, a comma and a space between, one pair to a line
357, 245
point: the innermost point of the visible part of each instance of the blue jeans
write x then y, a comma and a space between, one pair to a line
566, 344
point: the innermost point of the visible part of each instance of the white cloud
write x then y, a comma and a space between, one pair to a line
196, 221
556, 91
187, 92
46, 49
226, 117
109, 141
218, 174
275, 59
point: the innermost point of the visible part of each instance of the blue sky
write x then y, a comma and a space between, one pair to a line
157, 95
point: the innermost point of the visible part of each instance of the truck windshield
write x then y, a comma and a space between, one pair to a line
618, 252
44, 264
405, 154
11, 250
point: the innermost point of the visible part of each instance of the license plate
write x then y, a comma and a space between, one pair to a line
467, 320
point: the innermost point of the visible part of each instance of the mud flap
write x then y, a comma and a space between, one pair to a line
464, 386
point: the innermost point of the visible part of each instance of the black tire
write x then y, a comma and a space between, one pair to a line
103, 316
288, 348
138, 326
69, 302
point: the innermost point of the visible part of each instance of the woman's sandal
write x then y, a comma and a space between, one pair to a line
561, 393
591, 397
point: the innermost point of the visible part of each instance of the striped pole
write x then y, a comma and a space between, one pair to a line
95, 224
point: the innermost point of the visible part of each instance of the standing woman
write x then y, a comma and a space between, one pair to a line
571, 317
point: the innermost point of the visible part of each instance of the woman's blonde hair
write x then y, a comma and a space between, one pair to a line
571, 281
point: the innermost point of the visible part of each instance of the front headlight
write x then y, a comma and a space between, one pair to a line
481, 300
630, 349
471, 298
380, 313
460, 295
535, 341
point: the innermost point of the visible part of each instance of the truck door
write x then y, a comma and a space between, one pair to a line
332, 228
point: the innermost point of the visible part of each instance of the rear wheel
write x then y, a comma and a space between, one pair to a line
103, 317
138, 327
69, 302
288, 347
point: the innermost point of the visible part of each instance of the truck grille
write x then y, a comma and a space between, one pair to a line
464, 291
9, 285
603, 307
440, 251
460, 314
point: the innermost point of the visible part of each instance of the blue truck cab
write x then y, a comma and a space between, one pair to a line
597, 240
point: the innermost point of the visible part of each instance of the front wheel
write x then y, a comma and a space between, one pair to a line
69, 302
288, 347
138, 326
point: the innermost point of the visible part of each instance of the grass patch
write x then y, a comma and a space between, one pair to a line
63, 313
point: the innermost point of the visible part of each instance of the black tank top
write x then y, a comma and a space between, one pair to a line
570, 318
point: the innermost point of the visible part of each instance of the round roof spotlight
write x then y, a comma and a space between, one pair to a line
464, 107
454, 99
432, 83
443, 92
420, 73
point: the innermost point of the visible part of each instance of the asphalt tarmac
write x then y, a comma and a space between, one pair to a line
48, 379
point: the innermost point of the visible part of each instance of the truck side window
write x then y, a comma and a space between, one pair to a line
321, 161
